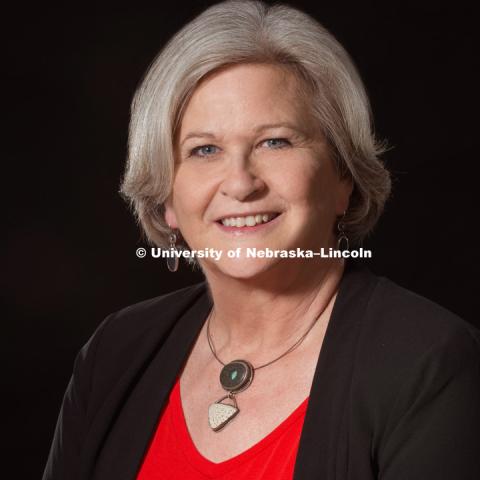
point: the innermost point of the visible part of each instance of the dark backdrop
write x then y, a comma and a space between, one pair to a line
70, 246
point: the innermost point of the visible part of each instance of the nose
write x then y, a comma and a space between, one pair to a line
240, 181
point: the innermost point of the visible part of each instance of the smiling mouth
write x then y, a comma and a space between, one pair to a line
248, 220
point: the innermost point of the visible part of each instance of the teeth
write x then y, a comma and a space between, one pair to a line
249, 221
240, 222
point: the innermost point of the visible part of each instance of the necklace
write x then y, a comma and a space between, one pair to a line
237, 376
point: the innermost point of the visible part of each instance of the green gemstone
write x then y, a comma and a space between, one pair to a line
233, 375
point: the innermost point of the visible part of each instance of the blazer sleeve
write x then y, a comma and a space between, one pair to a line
433, 427
65, 452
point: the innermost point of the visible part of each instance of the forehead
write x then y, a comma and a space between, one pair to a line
245, 93
236, 75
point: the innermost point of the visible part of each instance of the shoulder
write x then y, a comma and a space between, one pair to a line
408, 343
108, 368
408, 321
120, 348
135, 325
394, 323
414, 390
417, 383
158, 313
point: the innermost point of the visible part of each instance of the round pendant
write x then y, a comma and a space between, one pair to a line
236, 376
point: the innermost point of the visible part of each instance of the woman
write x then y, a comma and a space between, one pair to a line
251, 132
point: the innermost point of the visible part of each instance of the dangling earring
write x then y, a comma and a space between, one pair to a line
342, 237
172, 259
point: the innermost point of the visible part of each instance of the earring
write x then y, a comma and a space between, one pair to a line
172, 259
342, 237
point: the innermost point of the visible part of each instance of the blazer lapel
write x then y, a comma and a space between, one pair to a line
128, 439
321, 454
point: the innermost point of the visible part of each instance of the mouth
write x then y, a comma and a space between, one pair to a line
248, 220
248, 223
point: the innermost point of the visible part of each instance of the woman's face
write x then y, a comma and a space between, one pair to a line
247, 149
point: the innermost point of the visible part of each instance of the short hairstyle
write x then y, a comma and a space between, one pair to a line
233, 32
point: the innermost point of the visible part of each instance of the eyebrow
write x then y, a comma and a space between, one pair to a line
256, 130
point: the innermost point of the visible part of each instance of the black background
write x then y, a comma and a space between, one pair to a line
70, 243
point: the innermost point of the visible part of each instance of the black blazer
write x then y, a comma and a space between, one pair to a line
395, 395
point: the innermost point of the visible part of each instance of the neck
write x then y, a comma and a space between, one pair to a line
255, 318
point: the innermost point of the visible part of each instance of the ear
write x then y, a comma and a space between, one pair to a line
344, 191
170, 216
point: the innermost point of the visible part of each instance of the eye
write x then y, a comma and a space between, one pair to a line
203, 151
276, 143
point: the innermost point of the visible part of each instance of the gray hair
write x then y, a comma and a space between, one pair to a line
233, 32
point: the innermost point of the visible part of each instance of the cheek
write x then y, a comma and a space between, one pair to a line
310, 194
191, 192
300, 182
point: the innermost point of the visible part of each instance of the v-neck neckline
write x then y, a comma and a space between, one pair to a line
210, 468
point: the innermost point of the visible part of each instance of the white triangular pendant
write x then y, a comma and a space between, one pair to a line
220, 414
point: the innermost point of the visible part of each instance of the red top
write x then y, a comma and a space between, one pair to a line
173, 455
